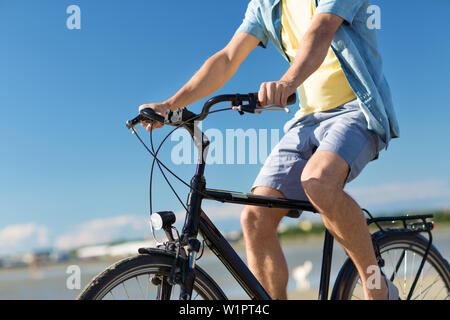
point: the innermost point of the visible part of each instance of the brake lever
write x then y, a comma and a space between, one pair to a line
246, 108
276, 108
253, 105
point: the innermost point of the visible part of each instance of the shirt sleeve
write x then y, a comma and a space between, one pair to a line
346, 9
252, 24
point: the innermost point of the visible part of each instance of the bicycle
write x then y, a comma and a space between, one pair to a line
170, 269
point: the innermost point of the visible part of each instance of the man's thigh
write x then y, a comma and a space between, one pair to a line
345, 147
336, 144
283, 167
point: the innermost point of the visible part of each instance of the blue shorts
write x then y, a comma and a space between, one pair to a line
342, 130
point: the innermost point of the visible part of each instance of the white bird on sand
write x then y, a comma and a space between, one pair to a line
300, 275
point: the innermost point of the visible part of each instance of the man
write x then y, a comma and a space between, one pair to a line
346, 118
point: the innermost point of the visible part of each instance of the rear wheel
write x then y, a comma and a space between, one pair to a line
402, 252
144, 277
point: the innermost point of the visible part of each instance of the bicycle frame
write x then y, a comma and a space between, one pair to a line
197, 221
223, 250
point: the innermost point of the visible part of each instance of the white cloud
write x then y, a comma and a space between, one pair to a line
401, 192
104, 230
25, 237
22, 236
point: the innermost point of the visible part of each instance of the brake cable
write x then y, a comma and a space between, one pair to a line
159, 163
159, 148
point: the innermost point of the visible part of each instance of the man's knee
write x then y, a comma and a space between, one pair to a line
323, 178
319, 191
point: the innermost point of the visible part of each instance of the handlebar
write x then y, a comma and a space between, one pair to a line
183, 115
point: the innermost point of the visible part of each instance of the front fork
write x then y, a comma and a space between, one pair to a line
188, 269
182, 271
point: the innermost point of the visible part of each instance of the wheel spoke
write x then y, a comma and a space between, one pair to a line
148, 286
140, 288
397, 266
412, 274
164, 290
427, 289
404, 273
403, 257
439, 292
125, 289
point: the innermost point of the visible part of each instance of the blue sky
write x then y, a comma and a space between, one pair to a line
69, 167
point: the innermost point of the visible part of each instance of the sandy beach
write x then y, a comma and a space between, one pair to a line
50, 282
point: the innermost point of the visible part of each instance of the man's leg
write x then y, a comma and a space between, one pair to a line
264, 255
323, 180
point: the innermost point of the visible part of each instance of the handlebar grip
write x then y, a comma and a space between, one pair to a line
290, 101
150, 114
145, 115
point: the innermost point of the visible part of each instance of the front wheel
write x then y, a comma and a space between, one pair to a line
144, 277
402, 252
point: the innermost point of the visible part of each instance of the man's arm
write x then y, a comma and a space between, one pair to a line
214, 73
313, 49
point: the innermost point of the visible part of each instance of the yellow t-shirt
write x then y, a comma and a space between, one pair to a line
325, 89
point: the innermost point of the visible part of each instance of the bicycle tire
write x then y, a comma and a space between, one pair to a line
160, 263
393, 239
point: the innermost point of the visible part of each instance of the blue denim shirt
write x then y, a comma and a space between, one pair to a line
355, 46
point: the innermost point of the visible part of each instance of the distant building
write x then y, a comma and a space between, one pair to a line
118, 250
13, 262
60, 256
42, 257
